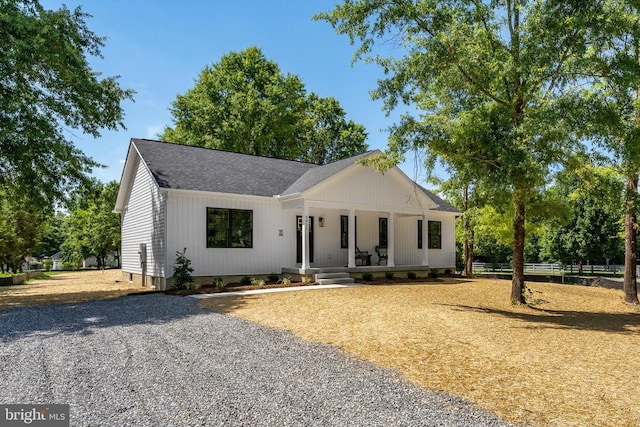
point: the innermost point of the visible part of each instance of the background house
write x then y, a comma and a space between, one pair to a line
240, 215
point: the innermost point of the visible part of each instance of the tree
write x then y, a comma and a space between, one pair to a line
613, 111
511, 59
46, 88
590, 232
244, 103
92, 228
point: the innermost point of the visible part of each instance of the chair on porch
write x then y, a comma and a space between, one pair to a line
382, 253
363, 257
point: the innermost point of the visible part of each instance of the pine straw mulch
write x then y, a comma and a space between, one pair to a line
571, 361
68, 287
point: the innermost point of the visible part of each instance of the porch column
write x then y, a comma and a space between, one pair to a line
352, 238
391, 237
425, 242
305, 237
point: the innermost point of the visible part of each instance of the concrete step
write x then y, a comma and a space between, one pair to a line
340, 275
336, 281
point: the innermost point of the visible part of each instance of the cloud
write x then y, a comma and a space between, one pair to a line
153, 131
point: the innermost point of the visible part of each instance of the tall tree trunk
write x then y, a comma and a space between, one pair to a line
467, 245
630, 241
517, 281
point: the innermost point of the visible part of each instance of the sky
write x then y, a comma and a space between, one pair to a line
159, 48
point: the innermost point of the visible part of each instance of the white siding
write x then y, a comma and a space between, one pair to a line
143, 221
445, 257
186, 228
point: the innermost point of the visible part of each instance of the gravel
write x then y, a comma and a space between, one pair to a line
151, 360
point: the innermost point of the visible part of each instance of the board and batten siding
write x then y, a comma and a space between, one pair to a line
143, 221
445, 257
187, 228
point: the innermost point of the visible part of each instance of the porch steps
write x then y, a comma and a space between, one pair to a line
333, 278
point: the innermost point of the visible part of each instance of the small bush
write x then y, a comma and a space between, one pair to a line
286, 281
219, 283
182, 272
273, 277
411, 275
246, 280
367, 277
68, 266
389, 275
433, 273
447, 271
307, 280
48, 264
257, 282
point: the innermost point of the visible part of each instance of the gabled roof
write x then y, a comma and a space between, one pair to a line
186, 167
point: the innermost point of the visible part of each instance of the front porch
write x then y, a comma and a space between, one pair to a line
420, 270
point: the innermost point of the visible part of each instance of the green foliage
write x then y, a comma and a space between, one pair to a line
50, 88
244, 103
47, 264
388, 275
411, 275
257, 282
367, 277
286, 281
307, 280
246, 281
447, 271
182, 270
92, 228
273, 277
69, 266
219, 283
433, 273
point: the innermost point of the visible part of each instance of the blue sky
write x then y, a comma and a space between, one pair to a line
159, 48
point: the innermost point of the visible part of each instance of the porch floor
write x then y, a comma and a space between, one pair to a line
357, 269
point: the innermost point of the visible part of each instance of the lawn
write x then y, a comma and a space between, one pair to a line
67, 287
571, 361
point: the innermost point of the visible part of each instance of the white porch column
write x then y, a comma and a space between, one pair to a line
305, 237
425, 252
352, 238
391, 237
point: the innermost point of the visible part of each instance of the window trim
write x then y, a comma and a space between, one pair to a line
229, 228
420, 238
434, 239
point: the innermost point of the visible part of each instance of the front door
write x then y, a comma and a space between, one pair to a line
299, 239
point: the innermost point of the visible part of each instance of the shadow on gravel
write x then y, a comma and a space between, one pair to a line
84, 317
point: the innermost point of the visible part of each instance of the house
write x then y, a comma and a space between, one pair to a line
239, 215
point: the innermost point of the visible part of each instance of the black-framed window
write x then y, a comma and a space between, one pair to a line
229, 228
383, 232
344, 231
419, 234
435, 234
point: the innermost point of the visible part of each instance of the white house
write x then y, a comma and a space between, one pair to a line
238, 215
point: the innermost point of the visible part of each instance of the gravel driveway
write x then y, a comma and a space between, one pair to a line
160, 360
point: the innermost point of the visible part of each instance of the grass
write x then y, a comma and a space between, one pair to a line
569, 362
65, 287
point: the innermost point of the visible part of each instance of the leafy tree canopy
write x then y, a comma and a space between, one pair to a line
46, 88
244, 103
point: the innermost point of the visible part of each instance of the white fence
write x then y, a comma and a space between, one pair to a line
549, 268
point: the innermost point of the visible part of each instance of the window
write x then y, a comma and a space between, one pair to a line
435, 234
382, 232
419, 234
229, 228
344, 231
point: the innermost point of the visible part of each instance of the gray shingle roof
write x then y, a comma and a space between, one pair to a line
187, 167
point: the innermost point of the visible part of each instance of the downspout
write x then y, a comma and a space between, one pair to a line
166, 223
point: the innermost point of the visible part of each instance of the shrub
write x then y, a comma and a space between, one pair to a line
68, 266
307, 280
286, 281
182, 272
447, 271
367, 276
433, 273
389, 275
273, 277
257, 282
411, 275
48, 264
219, 283
246, 280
